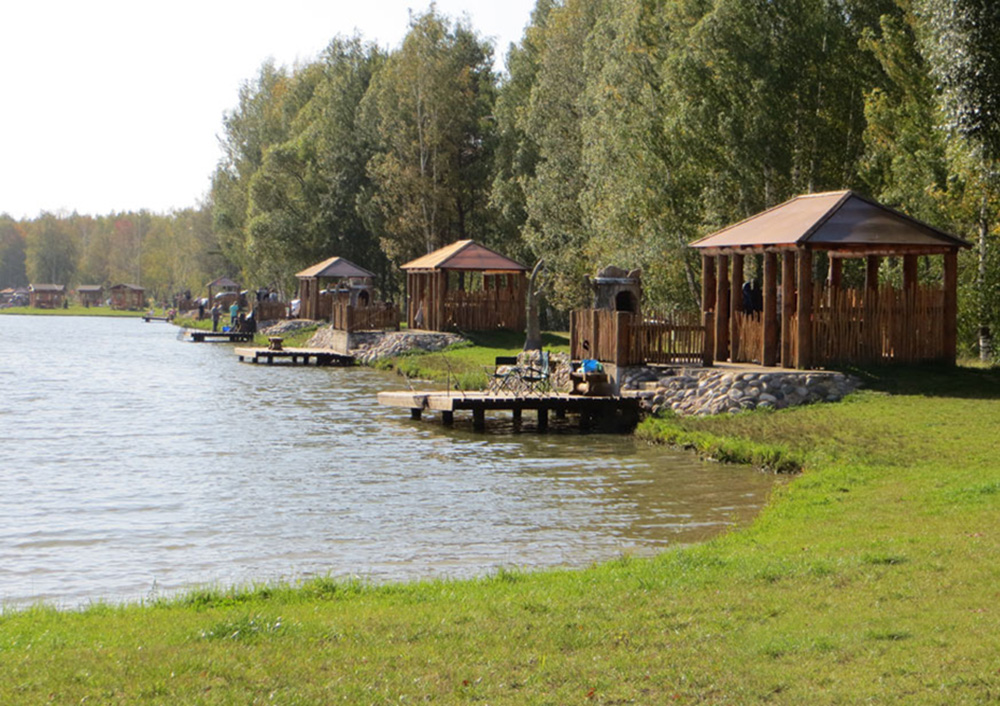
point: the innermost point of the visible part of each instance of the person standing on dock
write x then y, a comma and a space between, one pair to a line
234, 313
216, 313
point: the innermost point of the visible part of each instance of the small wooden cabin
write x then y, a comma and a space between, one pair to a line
90, 294
334, 277
794, 320
465, 286
129, 297
46, 296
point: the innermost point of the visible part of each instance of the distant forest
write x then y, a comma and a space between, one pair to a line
620, 131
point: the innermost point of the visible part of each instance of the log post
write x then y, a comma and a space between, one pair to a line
735, 305
803, 359
787, 306
769, 354
910, 277
872, 264
707, 283
708, 351
722, 308
950, 286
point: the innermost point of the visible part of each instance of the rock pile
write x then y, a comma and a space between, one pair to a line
708, 391
370, 347
280, 328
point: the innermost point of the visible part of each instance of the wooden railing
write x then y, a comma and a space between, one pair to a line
374, 317
892, 326
270, 311
622, 338
484, 310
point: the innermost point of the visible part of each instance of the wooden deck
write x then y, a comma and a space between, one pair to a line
294, 356
165, 319
199, 336
610, 413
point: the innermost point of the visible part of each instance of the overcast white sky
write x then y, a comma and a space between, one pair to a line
112, 105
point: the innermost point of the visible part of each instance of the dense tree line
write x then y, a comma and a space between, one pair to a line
620, 131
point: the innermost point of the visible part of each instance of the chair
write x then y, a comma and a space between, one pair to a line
536, 379
506, 375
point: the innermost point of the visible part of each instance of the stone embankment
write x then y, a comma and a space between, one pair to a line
702, 391
368, 347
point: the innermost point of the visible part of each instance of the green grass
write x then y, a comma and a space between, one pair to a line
72, 310
871, 577
467, 365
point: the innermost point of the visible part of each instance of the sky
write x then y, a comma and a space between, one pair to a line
110, 106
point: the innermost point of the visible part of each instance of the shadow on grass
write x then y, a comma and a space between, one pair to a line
932, 381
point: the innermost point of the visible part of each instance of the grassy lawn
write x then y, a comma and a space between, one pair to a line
72, 310
874, 576
466, 365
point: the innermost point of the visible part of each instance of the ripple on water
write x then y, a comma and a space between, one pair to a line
139, 465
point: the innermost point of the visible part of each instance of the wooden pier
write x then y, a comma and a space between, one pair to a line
148, 318
294, 356
610, 413
199, 336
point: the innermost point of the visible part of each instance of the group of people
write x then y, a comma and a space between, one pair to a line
238, 321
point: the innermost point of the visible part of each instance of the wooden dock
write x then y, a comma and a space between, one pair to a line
294, 356
610, 413
147, 318
199, 336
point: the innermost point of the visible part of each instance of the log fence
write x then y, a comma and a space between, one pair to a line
623, 338
379, 316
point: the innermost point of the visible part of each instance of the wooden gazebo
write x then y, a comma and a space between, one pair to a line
90, 294
315, 279
46, 296
465, 286
796, 322
223, 285
128, 296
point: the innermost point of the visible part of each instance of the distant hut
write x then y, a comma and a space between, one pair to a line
128, 297
46, 296
223, 291
465, 286
90, 294
791, 320
353, 283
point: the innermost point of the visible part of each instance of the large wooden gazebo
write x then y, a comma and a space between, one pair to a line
313, 280
223, 285
465, 286
128, 297
792, 320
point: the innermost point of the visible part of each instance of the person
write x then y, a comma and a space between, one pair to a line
234, 313
216, 313
201, 310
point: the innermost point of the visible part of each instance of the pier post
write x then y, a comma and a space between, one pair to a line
415, 413
543, 419
479, 419
447, 417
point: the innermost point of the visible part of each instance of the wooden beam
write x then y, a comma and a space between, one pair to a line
769, 354
910, 276
787, 307
835, 276
803, 357
872, 264
707, 283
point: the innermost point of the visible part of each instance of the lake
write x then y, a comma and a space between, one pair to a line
137, 465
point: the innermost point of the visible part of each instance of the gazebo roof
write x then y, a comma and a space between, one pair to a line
835, 220
224, 282
133, 287
47, 287
90, 288
465, 255
334, 267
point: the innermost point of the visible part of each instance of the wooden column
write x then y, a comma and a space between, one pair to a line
735, 304
722, 308
910, 272
835, 276
769, 354
872, 263
787, 306
950, 286
803, 358
707, 283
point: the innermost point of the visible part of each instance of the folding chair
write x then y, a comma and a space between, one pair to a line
506, 375
537, 379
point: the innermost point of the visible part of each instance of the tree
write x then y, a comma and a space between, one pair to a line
964, 57
51, 252
430, 107
12, 254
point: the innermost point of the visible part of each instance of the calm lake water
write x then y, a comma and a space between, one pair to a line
134, 464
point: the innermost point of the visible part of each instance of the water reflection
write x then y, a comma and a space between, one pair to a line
134, 462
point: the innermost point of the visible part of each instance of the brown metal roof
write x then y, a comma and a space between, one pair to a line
90, 288
133, 287
335, 267
465, 255
830, 221
47, 287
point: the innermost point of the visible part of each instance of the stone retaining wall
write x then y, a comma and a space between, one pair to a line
701, 391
